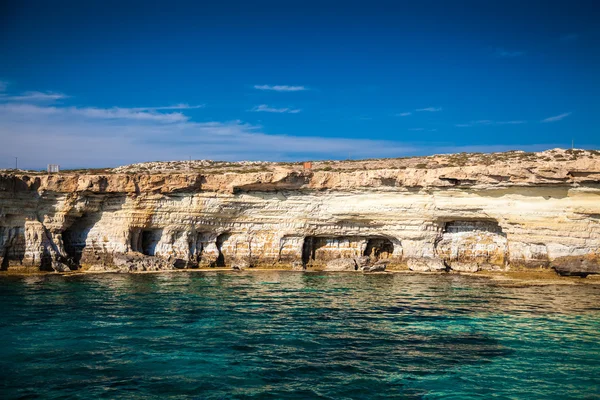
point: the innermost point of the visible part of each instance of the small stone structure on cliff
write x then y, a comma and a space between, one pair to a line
462, 212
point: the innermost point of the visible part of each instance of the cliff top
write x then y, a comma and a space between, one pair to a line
548, 158
423, 162
464, 170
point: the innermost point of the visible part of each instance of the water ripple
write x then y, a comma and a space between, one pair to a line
291, 335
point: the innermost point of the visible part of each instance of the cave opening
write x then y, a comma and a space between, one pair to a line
14, 245
149, 240
324, 248
378, 248
74, 238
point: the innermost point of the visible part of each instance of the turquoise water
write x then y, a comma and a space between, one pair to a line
213, 335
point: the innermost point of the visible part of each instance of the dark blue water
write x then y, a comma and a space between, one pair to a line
296, 335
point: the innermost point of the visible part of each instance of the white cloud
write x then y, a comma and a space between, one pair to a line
429, 109
556, 117
281, 88
502, 53
36, 97
483, 122
266, 108
404, 114
126, 113
26, 110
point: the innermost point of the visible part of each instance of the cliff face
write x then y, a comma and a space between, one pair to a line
487, 212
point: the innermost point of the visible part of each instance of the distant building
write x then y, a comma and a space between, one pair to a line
53, 168
308, 165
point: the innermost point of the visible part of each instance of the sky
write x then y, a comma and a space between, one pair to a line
108, 83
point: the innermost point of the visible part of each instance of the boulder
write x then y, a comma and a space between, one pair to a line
426, 264
576, 266
240, 265
363, 261
298, 266
133, 262
464, 266
375, 268
58, 266
341, 264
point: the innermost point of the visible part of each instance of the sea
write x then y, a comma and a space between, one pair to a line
296, 335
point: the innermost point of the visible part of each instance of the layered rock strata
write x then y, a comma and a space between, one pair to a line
486, 212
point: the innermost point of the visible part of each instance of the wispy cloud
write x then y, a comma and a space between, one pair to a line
429, 109
483, 122
502, 53
99, 137
281, 88
556, 117
569, 37
422, 130
517, 122
266, 108
180, 106
403, 114
78, 137
36, 97
19, 109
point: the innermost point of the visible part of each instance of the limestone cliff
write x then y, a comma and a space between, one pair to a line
464, 212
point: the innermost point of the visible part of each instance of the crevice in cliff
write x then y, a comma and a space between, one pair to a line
308, 250
222, 238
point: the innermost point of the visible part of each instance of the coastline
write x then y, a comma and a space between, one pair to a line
519, 277
467, 213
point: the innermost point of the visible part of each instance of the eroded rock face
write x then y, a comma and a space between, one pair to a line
494, 215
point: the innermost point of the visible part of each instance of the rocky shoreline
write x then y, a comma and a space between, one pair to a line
510, 278
465, 213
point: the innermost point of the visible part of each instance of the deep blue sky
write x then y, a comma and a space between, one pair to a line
489, 72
